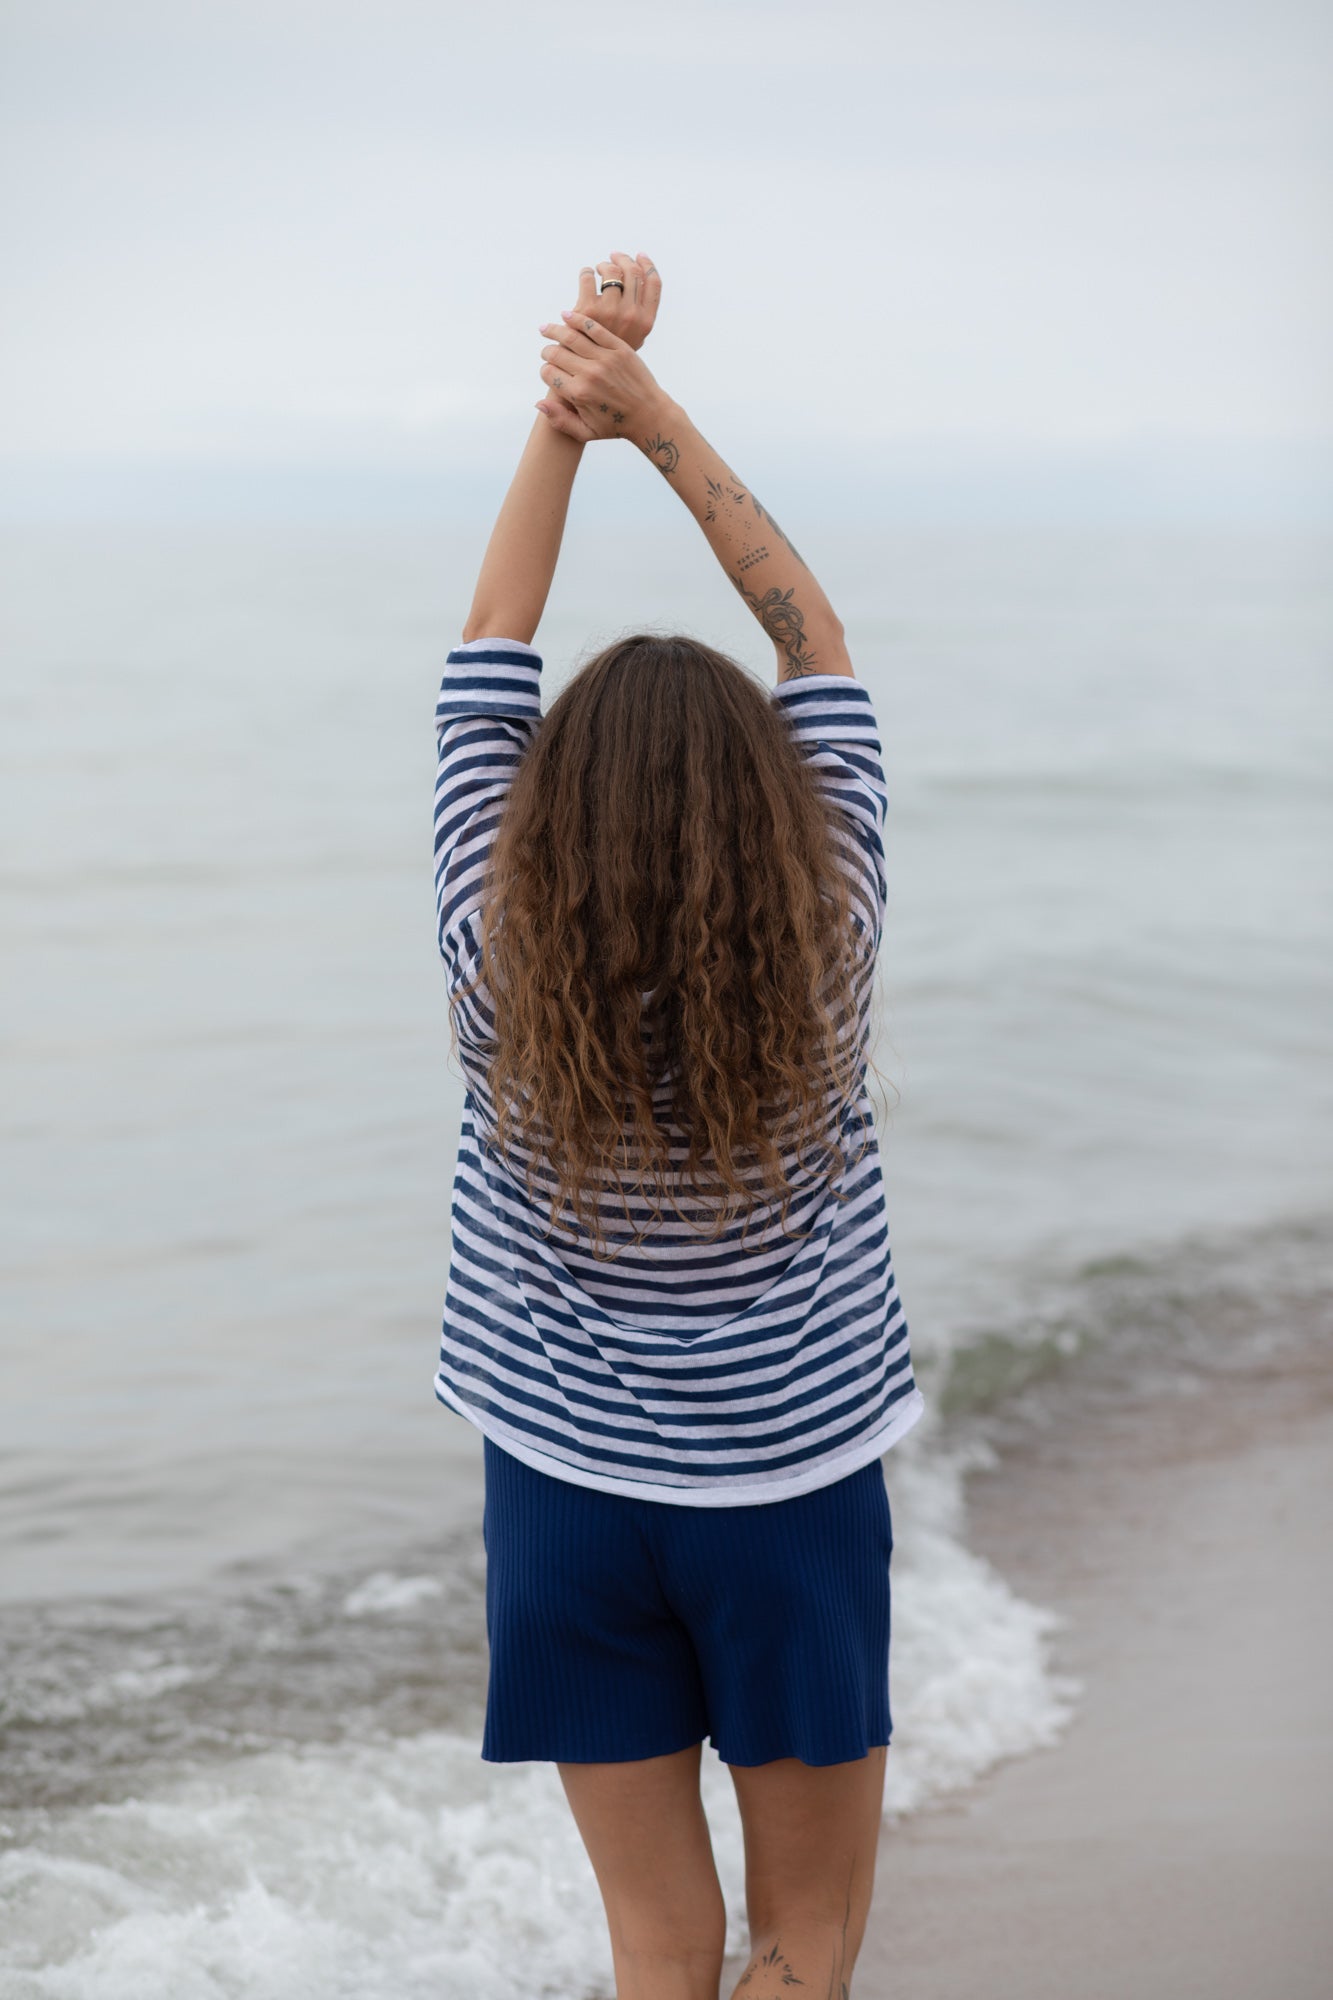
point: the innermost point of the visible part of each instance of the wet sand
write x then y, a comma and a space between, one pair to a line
1178, 1840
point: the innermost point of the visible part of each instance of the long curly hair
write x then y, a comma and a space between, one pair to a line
668, 942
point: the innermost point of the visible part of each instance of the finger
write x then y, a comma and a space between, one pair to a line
611, 270
564, 337
568, 342
652, 289
579, 424
587, 288
584, 334
631, 275
562, 418
559, 375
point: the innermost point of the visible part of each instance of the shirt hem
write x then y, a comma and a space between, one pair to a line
714, 1493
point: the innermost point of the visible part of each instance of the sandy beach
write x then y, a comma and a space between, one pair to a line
1177, 1841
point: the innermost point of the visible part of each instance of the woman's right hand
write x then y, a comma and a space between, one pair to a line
600, 388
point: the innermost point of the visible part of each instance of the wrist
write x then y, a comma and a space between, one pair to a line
561, 445
657, 416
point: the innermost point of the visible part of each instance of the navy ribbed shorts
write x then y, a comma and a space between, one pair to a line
622, 1628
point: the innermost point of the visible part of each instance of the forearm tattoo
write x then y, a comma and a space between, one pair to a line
784, 623
764, 515
718, 492
730, 493
780, 616
663, 452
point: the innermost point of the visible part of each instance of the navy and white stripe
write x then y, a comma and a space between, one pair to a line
712, 1374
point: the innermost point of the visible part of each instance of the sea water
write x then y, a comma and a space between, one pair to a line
242, 1629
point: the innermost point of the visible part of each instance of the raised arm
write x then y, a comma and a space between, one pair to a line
601, 389
519, 564
766, 569
520, 559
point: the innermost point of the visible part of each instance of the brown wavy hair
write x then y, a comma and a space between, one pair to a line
663, 837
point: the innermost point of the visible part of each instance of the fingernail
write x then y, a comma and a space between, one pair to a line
564, 314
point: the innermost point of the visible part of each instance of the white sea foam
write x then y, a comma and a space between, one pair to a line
970, 1679
148, 1675
386, 1592
403, 1869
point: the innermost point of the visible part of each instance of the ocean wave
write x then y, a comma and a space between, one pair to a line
383, 1866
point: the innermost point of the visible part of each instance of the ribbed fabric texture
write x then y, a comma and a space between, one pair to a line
623, 1628
699, 1373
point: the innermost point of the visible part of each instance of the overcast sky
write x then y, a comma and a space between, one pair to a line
306, 229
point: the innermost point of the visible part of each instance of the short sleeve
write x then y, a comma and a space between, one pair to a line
833, 722
486, 715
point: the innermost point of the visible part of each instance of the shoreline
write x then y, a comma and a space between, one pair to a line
1174, 1842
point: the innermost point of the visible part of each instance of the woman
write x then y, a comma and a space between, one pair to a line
671, 1308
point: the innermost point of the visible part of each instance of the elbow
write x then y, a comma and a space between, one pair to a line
491, 627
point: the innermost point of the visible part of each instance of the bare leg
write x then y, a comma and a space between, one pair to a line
647, 1837
811, 1838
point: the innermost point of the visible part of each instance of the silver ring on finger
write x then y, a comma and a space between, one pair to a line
613, 285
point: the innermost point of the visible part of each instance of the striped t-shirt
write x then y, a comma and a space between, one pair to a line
678, 1369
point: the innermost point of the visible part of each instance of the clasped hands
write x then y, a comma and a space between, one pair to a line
599, 387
